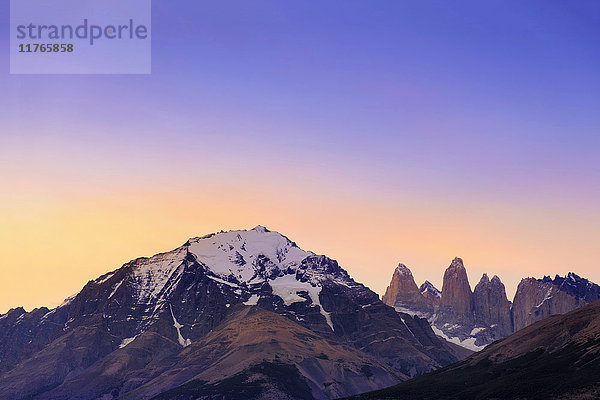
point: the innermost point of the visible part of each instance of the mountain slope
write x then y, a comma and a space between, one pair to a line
248, 337
557, 358
180, 297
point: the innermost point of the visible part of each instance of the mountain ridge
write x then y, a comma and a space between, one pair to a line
478, 317
173, 300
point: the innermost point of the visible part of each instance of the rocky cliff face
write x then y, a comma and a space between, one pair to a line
492, 308
476, 319
455, 316
432, 294
404, 295
537, 299
457, 300
148, 325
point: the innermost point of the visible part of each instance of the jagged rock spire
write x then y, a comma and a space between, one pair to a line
491, 307
404, 295
456, 291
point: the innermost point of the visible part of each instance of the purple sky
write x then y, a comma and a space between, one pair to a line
480, 104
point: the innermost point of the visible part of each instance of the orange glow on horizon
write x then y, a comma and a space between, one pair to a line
50, 247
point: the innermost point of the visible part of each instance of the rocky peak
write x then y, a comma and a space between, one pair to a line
454, 317
578, 287
484, 281
260, 228
17, 311
403, 270
456, 291
537, 299
244, 255
491, 307
432, 294
427, 288
404, 295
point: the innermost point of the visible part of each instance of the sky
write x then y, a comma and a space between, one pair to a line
373, 132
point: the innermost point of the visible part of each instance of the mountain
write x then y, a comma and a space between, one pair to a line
404, 295
474, 319
455, 314
537, 299
450, 312
492, 309
557, 358
432, 294
244, 307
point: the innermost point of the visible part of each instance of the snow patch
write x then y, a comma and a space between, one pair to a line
380, 341
49, 313
126, 341
547, 297
427, 287
183, 342
287, 287
214, 278
410, 312
239, 252
475, 331
403, 270
411, 332
468, 343
252, 301
152, 275
117, 286
101, 281
68, 300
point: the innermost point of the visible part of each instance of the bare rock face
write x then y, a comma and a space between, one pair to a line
530, 295
455, 315
432, 294
475, 319
557, 358
537, 299
404, 295
492, 308
470, 319
456, 291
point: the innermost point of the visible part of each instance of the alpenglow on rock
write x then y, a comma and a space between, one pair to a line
469, 319
476, 319
456, 303
404, 295
221, 309
492, 308
462, 314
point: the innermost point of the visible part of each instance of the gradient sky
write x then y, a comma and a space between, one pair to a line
374, 132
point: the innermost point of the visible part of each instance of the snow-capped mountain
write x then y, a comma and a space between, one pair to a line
155, 317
